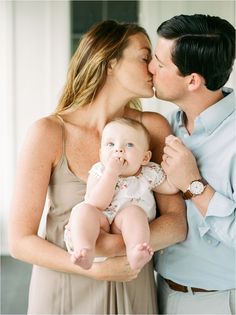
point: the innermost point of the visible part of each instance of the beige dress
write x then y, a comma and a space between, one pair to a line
53, 292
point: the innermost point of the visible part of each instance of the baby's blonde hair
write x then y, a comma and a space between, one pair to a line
133, 124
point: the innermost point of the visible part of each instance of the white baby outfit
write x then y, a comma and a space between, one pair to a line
136, 190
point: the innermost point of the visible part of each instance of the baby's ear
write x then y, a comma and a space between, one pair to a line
147, 157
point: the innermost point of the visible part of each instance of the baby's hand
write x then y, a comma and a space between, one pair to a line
115, 165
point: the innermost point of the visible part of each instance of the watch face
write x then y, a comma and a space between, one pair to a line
196, 187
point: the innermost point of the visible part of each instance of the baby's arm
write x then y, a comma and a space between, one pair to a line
166, 187
100, 191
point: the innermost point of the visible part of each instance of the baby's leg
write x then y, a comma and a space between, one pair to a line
132, 222
85, 223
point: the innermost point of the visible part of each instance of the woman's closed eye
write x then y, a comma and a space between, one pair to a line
146, 58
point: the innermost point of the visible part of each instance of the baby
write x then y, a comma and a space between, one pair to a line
119, 196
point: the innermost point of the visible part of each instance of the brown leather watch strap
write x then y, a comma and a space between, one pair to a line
187, 194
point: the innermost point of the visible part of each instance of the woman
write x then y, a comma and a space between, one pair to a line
107, 73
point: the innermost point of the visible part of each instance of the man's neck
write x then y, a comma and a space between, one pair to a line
198, 103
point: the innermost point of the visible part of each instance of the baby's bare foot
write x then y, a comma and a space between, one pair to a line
83, 258
139, 255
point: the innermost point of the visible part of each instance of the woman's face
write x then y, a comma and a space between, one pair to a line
131, 71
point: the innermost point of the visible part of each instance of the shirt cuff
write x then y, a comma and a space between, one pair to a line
220, 206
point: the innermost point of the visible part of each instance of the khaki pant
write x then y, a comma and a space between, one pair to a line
173, 302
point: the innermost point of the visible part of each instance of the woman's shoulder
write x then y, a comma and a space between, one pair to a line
49, 126
147, 118
46, 133
154, 120
156, 124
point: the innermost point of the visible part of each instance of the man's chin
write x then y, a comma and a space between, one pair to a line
157, 95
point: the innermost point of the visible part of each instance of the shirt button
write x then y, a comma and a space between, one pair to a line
209, 241
185, 135
162, 252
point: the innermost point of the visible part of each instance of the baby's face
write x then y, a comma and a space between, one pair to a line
127, 143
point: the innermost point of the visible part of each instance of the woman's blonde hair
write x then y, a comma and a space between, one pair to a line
88, 67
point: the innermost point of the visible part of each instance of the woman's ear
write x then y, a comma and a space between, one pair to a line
195, 80
111, 65
147, 157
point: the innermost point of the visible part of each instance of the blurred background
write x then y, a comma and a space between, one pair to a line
38, 39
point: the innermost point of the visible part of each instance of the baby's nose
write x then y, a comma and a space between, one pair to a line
119, 150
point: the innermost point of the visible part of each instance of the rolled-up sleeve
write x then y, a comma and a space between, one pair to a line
220, 218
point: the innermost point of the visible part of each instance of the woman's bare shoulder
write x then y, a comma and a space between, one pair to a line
47, 123
46, 133
155, 121
48, 127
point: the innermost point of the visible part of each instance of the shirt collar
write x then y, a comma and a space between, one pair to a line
214, 115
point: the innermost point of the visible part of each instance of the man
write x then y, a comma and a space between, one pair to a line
192, 62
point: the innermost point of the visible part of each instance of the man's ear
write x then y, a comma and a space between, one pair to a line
111, 65
195, 80
147, 157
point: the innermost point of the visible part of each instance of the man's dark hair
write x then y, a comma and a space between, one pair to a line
203, 44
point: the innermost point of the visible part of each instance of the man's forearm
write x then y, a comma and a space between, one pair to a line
171, 226
110, 245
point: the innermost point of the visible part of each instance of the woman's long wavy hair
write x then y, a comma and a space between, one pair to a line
88, 67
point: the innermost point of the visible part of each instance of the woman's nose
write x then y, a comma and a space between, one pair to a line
150, 67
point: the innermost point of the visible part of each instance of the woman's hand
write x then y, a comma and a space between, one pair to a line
114, 269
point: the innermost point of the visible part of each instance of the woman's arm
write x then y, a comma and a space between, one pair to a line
33, 174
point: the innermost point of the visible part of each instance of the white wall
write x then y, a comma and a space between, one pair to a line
154, 12
33, 60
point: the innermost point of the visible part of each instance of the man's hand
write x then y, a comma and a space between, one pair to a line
179, 163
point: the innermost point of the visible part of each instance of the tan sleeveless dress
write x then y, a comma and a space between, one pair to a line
53, 292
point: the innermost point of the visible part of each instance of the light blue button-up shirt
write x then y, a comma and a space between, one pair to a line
206, 259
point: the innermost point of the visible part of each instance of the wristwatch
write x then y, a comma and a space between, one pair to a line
195, 188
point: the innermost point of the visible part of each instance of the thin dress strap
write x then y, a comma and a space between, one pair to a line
63, 133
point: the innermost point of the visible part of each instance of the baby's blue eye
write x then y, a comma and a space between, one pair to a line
130, 145
110, 144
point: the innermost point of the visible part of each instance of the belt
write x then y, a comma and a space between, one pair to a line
182, 288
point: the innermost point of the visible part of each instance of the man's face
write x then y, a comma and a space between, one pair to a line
168, 83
